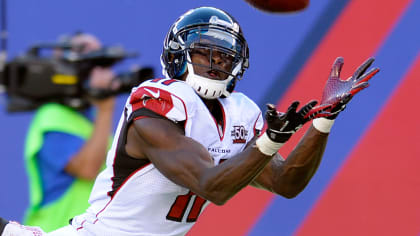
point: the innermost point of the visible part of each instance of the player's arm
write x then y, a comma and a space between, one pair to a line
289, 177
187, 163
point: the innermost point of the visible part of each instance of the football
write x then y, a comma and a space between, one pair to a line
279, 6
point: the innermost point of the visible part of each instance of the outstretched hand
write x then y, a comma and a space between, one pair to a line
338, 93
281, 126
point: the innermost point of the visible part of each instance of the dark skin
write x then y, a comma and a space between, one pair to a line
187, 163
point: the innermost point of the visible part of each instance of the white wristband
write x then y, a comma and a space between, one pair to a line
323, 125
266, 146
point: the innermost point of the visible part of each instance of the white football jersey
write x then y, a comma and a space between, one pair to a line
131, 197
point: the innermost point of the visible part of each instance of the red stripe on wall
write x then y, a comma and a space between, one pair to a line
357, 34
380, 182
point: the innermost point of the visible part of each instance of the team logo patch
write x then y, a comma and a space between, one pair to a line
239, 134
155, 99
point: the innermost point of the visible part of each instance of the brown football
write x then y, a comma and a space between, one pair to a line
273, 6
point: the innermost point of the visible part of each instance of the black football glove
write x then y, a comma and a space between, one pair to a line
339, 92
281, 126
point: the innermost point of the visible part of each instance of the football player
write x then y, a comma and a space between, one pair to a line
189, 139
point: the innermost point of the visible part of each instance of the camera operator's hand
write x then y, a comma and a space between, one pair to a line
101, 79
281, 126
102, 83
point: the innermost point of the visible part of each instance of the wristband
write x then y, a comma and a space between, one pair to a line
266, 146
323, 125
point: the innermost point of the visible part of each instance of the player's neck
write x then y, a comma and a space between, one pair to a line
215, 109
211, 104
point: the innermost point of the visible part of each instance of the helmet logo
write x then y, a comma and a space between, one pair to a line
216, 20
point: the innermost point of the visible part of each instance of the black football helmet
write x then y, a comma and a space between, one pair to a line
213, 30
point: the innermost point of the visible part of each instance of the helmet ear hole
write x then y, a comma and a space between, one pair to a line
231, 86
182, 68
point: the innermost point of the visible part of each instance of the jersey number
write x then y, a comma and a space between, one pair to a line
180, 205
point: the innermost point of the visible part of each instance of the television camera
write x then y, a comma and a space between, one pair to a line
36, 77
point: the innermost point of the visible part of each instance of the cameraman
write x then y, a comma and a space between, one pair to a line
66, 148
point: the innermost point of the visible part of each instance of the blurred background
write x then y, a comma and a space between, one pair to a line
368, 181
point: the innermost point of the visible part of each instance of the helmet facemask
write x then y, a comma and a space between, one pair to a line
210, 79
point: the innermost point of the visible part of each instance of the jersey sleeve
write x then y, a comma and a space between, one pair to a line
161, 100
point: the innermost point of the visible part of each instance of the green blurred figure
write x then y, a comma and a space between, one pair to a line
66, 148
